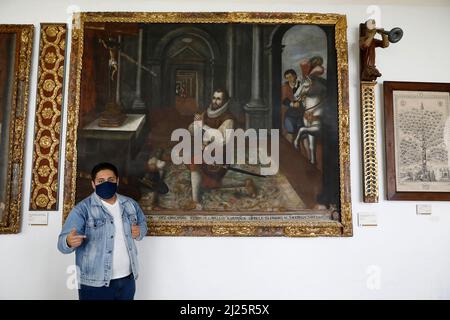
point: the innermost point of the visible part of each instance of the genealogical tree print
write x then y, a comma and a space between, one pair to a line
422, 152
423, 142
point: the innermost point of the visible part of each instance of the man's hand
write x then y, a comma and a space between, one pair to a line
74, 240
135, 231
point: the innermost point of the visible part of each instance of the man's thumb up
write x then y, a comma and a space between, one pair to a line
74, 240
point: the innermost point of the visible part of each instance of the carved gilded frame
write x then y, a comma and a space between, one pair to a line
10, 218
305, 228
49, 100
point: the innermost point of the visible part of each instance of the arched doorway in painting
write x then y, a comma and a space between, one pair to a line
290, 45
186, 91
186, 66
188, 57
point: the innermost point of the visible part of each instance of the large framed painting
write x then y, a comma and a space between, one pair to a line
417, 116
221, 124
15, 60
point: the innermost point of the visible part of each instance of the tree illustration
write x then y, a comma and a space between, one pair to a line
422, 139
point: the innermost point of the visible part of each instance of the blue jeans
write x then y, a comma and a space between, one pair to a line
119, 289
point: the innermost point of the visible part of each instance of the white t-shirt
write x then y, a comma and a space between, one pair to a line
121, 266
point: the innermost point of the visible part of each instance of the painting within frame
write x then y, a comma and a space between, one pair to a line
15, 60
417, 116
137, 77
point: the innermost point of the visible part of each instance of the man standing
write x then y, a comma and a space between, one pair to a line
217, 116
100, 229
291, 109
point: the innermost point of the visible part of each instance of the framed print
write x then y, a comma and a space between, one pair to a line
417, 116
264, 95
15, 60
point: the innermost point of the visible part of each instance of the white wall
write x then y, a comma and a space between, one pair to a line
410, 252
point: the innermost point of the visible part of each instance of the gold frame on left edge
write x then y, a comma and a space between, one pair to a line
10, 220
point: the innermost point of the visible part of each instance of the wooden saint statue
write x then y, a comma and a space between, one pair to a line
367, 45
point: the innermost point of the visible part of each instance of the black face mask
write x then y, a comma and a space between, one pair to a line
106, 190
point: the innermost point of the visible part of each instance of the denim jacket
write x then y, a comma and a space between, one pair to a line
94, 256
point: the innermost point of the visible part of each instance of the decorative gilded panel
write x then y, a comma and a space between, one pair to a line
370, 163
49, 100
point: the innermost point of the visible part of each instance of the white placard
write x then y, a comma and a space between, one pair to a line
367, 219
423, 209
38, 218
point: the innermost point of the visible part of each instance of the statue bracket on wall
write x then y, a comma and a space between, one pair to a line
368, 44
368, 75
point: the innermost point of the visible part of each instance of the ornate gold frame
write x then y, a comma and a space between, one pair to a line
49, 99
305, 228
10, 222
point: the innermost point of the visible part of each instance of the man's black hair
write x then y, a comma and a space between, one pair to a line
290, 71
103, 166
